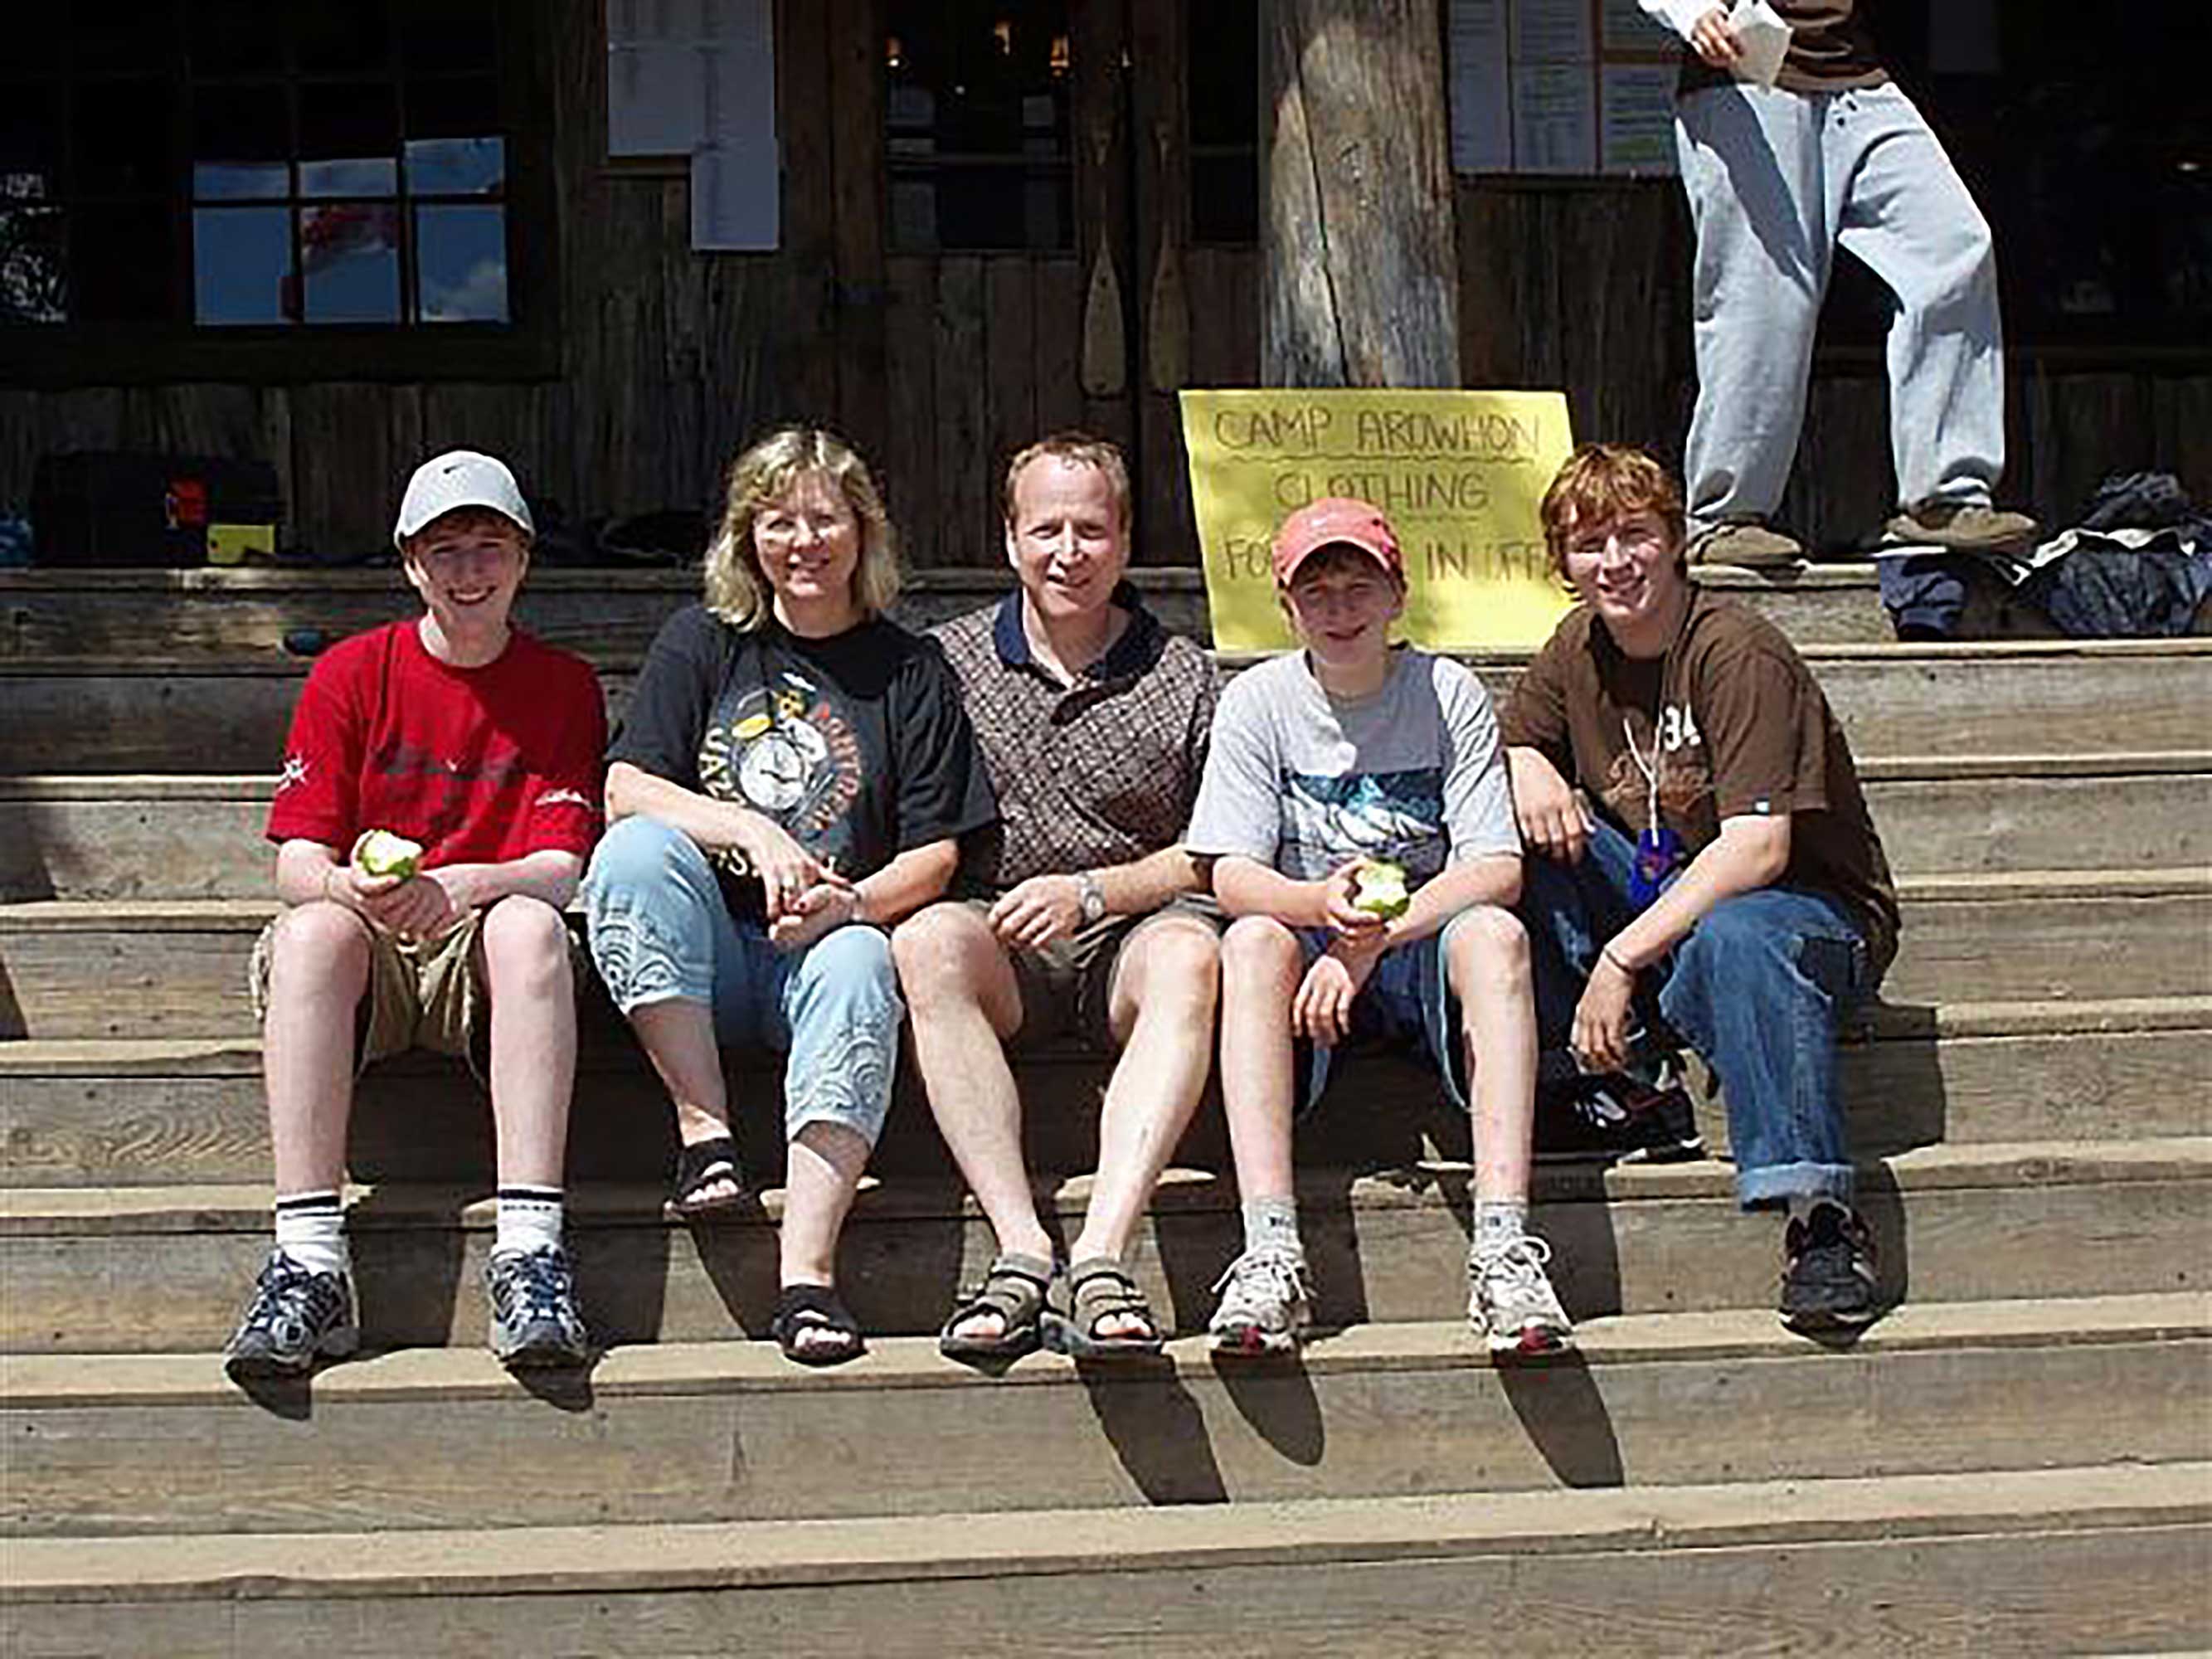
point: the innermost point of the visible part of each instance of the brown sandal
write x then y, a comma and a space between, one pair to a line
1099, 1287
1014, 1289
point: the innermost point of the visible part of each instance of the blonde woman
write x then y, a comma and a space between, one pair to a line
790, 776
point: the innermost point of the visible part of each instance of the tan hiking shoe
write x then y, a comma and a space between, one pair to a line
1964, 527
1746, 543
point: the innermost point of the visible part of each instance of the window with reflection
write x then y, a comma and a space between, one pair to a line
255, 164
976, 113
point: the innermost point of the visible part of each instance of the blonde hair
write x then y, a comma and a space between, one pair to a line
1604, 482
1076, 449
762, 476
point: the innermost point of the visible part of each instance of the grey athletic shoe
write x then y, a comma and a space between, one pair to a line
1266, 1303
534, 1319
1963, 528
1511, 1302
297, 1317
1745, 544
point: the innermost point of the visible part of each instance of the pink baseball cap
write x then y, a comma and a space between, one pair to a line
1329, 522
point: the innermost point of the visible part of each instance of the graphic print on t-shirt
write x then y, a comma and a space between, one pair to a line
1397, 815
1684, 775
786, 748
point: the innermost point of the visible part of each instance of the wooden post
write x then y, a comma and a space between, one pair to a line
1360, 270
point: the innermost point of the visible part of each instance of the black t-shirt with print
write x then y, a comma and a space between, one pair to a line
857, 744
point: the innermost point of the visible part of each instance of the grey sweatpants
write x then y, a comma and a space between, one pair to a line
1777, 181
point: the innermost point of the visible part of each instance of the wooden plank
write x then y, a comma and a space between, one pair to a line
140, 716
1010, 391
855, 30
346, 468
965, 492
2081, 427
1841, 487
1951, 1225
1057, 294
429, 1439
805, 341
133, 843
909, 472
2058, 1581
198, 1118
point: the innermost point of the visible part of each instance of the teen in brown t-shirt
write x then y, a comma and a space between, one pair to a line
1740, 725
1699, 843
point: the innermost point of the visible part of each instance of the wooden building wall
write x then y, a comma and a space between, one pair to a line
938, 365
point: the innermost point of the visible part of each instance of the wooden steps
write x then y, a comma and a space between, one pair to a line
140, 714
2002, 1221
426, 1438
148, 834
176, 968
185, 1111
216, 613
1971, 1562
2017, 1459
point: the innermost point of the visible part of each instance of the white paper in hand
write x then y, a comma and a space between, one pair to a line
1765, 38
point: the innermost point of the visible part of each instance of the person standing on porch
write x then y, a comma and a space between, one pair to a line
459, 733
1832, 155
1085, 914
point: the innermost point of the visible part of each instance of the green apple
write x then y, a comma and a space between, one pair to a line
380, 853
1378, 887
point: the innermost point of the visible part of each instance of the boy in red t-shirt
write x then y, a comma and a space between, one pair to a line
457, 731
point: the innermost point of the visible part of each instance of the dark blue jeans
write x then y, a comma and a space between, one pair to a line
1758, 987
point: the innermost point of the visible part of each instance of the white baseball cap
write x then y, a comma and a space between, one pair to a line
458, 478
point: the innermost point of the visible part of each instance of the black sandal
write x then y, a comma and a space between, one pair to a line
1014, 1289
701, 1166
1098, 1288
803, 1308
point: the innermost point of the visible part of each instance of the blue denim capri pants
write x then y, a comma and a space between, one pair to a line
661, 929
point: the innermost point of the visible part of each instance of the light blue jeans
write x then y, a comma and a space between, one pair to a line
660, 930
1777, 182
1758, 987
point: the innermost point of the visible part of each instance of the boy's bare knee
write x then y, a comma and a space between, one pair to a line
1487, 943
524, 938
1258, 944
321, 938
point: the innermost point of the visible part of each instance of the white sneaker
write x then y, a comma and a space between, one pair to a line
1266, 1303
1510, 1301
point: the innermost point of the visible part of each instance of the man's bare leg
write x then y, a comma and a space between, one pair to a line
963, 1003
1161, 1011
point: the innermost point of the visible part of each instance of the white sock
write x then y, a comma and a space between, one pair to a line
311, 1230
529, 1217
1499, 1222
1272, 1223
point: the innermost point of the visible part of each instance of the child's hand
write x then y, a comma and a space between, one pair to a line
1340, 909
1321, 1009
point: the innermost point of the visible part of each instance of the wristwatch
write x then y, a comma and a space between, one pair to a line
1094, 897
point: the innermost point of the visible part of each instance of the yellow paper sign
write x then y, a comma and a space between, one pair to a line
1458, 474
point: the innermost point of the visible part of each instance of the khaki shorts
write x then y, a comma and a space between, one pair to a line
1067, 988
421, 995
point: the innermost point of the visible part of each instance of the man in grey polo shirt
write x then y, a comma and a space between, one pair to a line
1083, 914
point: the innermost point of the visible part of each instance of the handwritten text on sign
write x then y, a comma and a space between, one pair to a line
1458, 474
